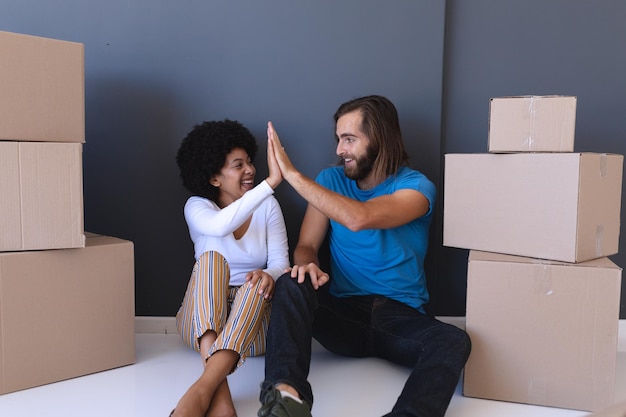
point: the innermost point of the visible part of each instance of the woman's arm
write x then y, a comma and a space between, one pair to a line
204, 217
277, 244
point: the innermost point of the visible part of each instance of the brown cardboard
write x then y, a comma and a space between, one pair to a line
542, 333
616, 410
41, 185
42, 85
558, 206
532, 124
65, 313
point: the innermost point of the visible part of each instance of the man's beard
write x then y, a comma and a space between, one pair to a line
363, 166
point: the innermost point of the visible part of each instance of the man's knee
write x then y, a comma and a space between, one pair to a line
289, 290
283, 283
453, 340
459, 342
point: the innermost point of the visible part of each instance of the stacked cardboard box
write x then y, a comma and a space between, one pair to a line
42, 131
540, 221
66, 300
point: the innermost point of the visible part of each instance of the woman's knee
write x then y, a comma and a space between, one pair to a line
254, 291
212, 255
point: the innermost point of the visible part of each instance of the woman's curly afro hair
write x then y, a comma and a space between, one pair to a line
203, 151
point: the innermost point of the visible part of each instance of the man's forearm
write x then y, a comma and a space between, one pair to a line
304, 255
303, 185
333, 205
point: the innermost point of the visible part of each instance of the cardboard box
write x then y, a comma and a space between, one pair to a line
542, 333
616, 410
66, 313
41, 185
558, 206
532, 124
42, 89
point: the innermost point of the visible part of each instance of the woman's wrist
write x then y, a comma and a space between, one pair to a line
272, 182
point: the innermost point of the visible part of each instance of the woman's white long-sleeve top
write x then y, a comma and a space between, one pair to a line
263, 246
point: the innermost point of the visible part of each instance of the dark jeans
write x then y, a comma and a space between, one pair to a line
359, 327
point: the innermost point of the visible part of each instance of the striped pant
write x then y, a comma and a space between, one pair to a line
239, 315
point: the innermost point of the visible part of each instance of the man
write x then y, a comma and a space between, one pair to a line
377, 213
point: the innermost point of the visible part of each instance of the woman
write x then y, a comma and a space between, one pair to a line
240, 245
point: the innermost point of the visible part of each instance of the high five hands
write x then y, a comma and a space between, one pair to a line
276, 151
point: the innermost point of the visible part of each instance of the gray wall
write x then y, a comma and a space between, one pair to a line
154, 68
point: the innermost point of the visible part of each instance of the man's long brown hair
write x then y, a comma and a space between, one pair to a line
381, 125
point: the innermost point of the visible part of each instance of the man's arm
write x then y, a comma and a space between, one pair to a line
382, 212
312, 233
305, 255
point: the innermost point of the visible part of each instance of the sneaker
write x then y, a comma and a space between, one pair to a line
273, 404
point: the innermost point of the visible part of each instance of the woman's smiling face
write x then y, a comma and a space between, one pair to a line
235, 178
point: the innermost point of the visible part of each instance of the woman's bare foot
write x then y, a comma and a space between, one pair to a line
222, 404
195, 402
210, 388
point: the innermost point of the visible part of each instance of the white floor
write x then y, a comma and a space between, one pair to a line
165, 367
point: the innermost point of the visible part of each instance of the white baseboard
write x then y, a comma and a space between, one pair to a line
167, 325
160, 325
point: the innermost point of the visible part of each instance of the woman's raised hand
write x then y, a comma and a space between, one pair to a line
281, 157
275, 176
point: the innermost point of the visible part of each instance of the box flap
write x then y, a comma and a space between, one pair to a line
10, 207
42, 196
599, 205
480, 256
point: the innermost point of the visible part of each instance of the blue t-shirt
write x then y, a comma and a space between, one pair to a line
387, 262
